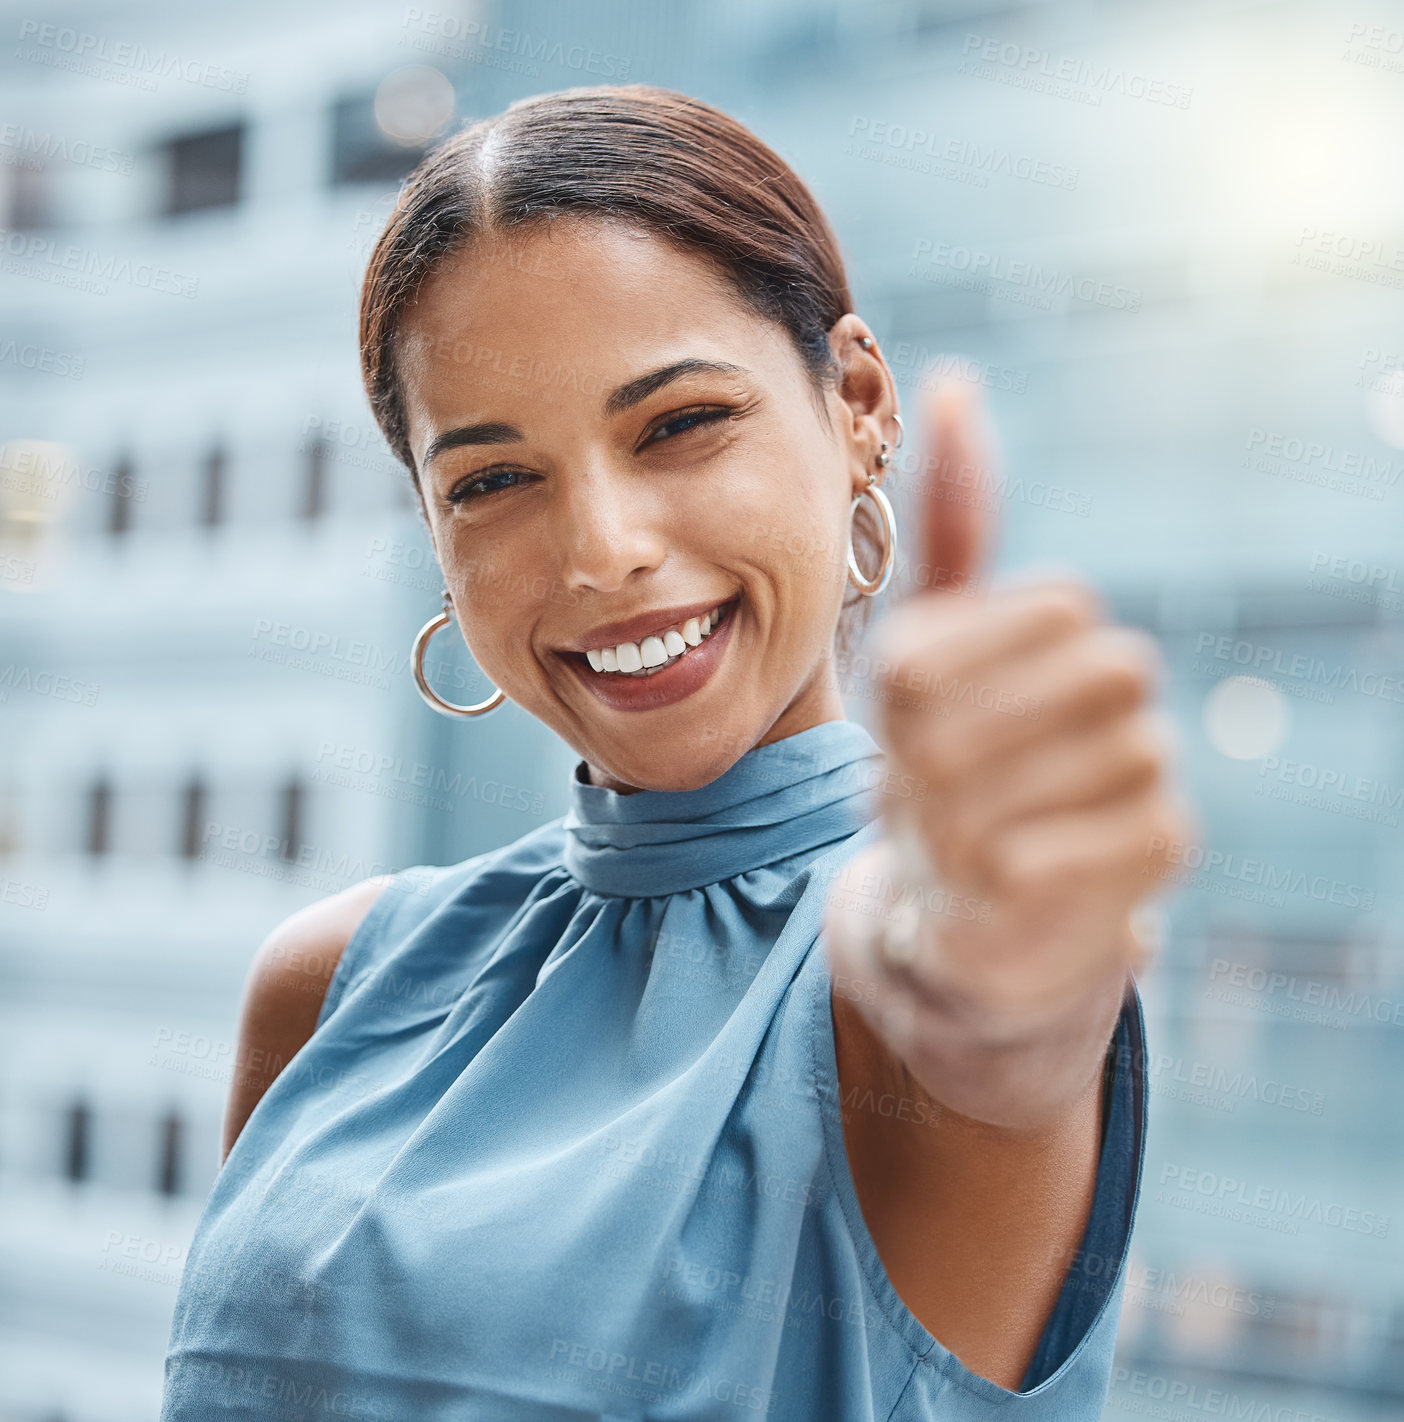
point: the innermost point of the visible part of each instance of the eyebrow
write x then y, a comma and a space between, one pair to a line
631, 393
634, 392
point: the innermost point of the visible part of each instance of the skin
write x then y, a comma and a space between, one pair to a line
999, 1028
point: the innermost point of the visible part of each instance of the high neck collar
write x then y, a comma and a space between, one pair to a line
775, 802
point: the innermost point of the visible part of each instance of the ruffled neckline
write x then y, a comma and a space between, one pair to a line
775, 802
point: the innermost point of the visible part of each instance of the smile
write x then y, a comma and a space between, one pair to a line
659, 650
661, 668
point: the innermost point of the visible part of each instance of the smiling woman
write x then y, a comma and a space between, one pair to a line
586, 1126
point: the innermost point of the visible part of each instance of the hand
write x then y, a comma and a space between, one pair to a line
1019, 722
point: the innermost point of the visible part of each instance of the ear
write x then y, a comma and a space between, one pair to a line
868, 396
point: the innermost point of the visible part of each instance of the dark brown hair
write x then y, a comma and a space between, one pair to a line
659, 160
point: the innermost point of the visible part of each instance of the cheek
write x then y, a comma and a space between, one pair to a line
788, 516
483, 590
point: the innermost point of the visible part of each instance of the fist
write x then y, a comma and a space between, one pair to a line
1001, 903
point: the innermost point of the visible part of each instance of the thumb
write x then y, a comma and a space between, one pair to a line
956, 504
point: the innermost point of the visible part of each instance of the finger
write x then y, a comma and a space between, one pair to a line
956, 503
922, 639
1084, 767
1103, 853
1103, 673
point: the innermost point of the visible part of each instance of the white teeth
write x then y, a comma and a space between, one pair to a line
654, 651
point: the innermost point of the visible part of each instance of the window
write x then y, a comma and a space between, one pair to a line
170, 1139
194, 799
204, 170
314, 488
119, 511
78, 1124
99, 816
361, 153
212, 498
294, 805
25, 207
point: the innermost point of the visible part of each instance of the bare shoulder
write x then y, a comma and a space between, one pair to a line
286, 987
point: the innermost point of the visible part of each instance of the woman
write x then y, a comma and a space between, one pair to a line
590, 1125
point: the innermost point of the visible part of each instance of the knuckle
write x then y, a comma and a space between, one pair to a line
1144, 750
1070, 608
1017, 870
1124, 666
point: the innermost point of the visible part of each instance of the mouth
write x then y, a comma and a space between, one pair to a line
659, 650
660, 668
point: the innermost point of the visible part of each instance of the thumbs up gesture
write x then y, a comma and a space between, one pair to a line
988, 936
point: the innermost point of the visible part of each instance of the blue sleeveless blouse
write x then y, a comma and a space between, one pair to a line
567, 1143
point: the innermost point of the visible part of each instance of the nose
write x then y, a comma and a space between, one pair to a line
606, 528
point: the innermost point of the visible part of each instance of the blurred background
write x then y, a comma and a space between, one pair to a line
1165, 236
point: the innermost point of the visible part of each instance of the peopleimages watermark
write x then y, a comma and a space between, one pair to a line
221, 1381
1268, 1206
39, 682
1350, 579
651, 1379
1375, 363
1160, 1393
1299, 673
449, 34
757, 1296
1165, 1291
965, 160
1311, 461
1219, 1089
16, 570
1367, 259
1084, 81
122, 61
924, 369
22, 147
326, 653
31, 254
1329, 788
1257, 880
645, 1162
20, 894
393, 560
138, 1256
42, 358
358, 446
1025, 283
1302, 999
1375, 47
973, 484
270, 856
30, 470
379, 772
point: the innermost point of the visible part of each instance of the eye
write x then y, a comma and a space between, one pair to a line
481, 484
683, 420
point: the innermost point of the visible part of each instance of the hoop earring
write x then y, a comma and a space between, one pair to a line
889, 543
421, 645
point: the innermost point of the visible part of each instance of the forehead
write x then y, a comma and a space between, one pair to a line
589, 301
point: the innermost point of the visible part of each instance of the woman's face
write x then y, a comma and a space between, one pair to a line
611, 444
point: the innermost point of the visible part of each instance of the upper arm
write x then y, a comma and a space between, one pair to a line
285, 990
